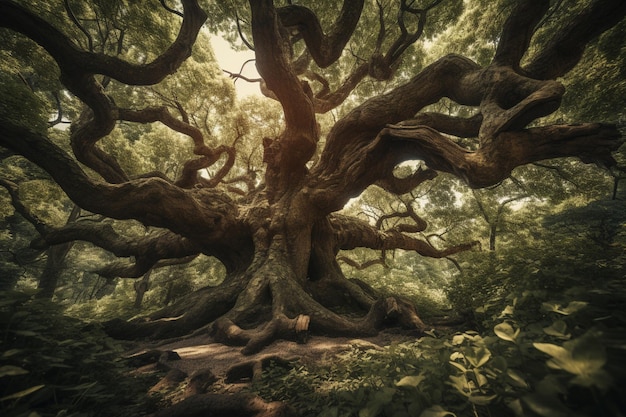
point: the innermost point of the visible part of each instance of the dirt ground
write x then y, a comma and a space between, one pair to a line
203, 352
232, 370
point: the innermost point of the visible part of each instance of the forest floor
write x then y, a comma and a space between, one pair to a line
224, 369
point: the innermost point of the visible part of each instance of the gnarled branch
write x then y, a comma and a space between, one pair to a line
325, 49
352, 233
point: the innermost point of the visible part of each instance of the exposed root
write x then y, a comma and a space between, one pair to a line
273, 305
251, 370
190, 392
225, 331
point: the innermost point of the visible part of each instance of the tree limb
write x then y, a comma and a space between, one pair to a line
202, 213
79, 67
360, 266
325, 49
518, 30
19, 206
352, 233
189, 175
75, 62
141, 266
494, 162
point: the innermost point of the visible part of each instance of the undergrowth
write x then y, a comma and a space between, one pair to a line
52, 365
533, 356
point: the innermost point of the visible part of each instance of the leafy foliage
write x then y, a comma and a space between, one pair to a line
52, 365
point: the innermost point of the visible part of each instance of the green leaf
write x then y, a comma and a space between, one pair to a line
517, 408
583, 357
516, 379
460, 383
571, 308
457, 339
483, 355
553, 350
411, 380
506, 332
11, 352
508, 311
499, 363
557, 329
379, 400
546, 406
482, 399
436, 411
9, 370
458, 366
481, 379
22, 393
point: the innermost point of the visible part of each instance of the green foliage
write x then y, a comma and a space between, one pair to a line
514, 369
400, 380
51, 365
20, 105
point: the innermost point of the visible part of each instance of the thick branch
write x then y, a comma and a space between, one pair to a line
74, 61
352, 233
189, 175
329, 101
163, 244
297, 144
363, 265
204, 213
77, 74
444, 78
140, 267
405, 185
419, 224
325, 49
451, 125
494, 162
518, 31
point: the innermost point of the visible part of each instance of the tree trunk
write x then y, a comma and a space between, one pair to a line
55, 263
292, 286
141, 286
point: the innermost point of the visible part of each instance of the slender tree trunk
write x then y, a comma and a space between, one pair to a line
55, 263
141, 287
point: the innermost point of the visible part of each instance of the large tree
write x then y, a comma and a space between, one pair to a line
278, 232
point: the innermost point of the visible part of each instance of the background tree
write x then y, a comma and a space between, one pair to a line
278, 236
